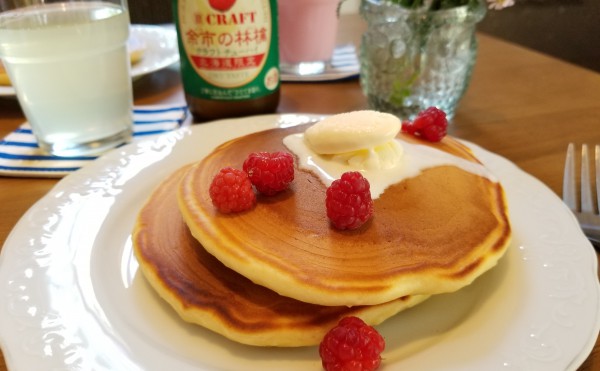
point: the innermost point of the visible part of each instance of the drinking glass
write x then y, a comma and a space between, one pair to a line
69, 65
307, 35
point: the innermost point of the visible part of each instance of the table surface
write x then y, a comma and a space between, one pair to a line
521, 104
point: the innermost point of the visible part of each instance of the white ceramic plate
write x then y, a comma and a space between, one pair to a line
161, 50
344, 65
71, 295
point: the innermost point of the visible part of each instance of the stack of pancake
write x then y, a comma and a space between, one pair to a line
280, 275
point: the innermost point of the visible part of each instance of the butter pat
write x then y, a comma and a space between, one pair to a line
352, 131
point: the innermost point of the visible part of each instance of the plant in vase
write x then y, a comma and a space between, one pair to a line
419, 53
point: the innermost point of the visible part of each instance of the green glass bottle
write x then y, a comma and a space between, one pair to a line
229, 56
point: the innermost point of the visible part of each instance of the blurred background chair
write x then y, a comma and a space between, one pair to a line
151, 11
566, 29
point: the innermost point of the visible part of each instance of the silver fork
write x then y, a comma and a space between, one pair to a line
586, 209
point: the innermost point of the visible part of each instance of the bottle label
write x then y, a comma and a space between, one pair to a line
231, 48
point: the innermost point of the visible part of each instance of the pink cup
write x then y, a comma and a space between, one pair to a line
307, 35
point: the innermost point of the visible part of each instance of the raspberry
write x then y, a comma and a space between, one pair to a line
351, 345
270, 172
430, 124
231, 191
348, 201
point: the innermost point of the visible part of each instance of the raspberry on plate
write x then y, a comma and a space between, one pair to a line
270, 172
430, 124
351, 346
348, 201
231, 191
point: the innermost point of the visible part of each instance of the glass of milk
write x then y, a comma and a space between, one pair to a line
307, 35
69, 64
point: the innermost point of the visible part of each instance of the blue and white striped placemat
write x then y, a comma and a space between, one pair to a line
344, 65
21, 156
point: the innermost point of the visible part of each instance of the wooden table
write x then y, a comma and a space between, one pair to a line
522, 105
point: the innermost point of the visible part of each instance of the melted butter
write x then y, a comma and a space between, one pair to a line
385, 156
383, 166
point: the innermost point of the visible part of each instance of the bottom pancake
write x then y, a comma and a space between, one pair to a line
205, 292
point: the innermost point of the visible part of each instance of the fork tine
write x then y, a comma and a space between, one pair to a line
587, 205
569, 191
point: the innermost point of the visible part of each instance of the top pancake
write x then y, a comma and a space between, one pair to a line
430, 234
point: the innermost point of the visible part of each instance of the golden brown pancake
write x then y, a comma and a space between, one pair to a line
4, 79
205, 292
136, 49
430, 234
